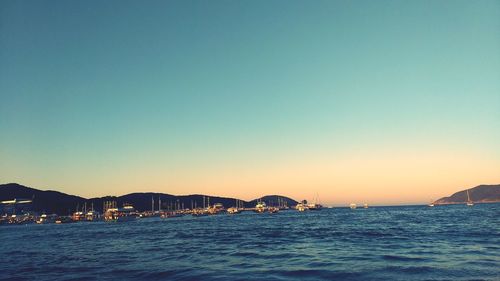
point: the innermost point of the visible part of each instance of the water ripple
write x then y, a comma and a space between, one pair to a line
411, 243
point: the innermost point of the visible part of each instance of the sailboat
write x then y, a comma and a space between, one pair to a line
431, 204
469, 202
234, 210
315, 206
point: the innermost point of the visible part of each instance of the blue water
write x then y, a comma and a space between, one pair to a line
379, 243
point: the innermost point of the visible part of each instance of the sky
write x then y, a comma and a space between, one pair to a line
384, 102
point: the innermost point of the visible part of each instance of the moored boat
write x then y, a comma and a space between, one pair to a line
44, 218
171, 215
260, 207
216, 209
92, 215
127, 213
314, 207
199, 213
60, 220
233, 210
273, 210
302, 206
78, 216
237, 209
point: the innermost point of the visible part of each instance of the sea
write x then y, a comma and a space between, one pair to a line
452, 242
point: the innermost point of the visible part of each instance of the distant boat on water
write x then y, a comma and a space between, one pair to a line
479, 194
365, 206
316, 206
469, 202
352, 206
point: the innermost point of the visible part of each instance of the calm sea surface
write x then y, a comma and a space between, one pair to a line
379, 243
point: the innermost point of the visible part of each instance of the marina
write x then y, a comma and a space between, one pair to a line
126, 213
111, 212
139, 206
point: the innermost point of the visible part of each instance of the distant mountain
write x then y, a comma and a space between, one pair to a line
274, 200
478, 194
64, 204
43, 201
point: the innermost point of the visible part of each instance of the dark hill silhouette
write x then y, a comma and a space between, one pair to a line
274, 200
43, 201
478, 194
64, 204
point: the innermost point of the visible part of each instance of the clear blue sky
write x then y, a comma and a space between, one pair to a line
108, 97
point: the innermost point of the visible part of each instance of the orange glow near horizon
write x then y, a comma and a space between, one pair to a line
376, 177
